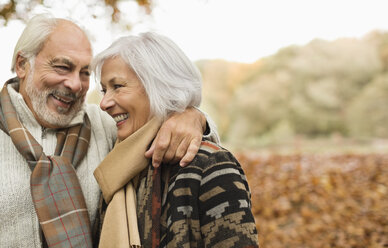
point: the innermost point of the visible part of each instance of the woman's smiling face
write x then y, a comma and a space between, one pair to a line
124, 97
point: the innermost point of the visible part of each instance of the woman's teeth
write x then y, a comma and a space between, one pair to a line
121, 117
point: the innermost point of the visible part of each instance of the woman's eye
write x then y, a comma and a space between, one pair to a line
103, 91
116, 86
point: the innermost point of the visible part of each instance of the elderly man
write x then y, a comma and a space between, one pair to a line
47, 131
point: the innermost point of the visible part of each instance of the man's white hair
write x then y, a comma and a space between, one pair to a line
171, 81
34, 35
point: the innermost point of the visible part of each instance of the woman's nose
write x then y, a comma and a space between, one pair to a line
107, 101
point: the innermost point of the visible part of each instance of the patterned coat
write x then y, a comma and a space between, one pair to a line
206, 204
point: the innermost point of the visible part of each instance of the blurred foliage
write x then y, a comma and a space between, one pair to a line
326, 201
321, 89
20, 9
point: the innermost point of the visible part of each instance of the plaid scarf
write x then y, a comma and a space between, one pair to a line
55, 189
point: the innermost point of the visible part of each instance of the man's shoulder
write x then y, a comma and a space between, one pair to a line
96, 114
100, 121
92, 109
102, 124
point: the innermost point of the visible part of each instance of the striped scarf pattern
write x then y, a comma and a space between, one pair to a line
55, 189
149, 206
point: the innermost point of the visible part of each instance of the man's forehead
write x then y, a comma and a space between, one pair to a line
68, 42
69, 35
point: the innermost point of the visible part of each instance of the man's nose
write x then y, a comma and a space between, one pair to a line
74, 84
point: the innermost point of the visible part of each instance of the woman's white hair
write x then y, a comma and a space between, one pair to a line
171, 81
34, 35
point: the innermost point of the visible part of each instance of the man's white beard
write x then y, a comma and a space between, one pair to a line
59, 118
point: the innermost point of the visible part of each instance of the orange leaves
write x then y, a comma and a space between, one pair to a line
7, 10
145, 4
21, 10
319, 200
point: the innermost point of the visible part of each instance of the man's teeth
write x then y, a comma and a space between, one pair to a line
121, 117
62, 100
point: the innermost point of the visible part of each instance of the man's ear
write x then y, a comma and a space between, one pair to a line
22, 66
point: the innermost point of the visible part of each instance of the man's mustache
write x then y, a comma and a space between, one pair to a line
66, 93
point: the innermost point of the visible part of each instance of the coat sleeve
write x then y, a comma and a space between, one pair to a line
211, 133
225, 205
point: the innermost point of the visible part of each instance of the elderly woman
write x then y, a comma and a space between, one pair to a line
205, 204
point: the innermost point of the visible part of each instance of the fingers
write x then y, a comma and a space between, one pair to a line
181, 150
161, 145
150, 151
178, 139
174, 147
191, 152
171, 153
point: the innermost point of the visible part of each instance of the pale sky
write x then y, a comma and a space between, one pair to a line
234, 30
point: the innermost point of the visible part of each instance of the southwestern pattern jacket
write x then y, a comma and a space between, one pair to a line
206, 204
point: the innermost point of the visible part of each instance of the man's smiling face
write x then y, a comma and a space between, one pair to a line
55, 86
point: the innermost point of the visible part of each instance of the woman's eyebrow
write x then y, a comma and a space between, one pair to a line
117, 80
111, 81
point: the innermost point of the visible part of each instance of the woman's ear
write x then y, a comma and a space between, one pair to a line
21, 66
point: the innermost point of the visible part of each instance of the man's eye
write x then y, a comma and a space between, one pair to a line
61, 68
86, 73
103, 91
116, 86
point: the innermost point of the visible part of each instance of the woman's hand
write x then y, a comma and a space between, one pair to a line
178, 139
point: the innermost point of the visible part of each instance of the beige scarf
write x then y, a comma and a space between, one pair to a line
115, 176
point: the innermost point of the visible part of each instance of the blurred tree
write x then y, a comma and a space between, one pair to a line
331, 75
367, 115
380, 41
323, 88
220, 81
21, 9
258, 106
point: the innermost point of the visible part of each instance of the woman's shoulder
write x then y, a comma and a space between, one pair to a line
210, 158
210, 149
212, 155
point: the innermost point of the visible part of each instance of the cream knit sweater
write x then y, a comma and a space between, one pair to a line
19, 225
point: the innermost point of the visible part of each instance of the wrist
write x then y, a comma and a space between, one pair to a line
202, 119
